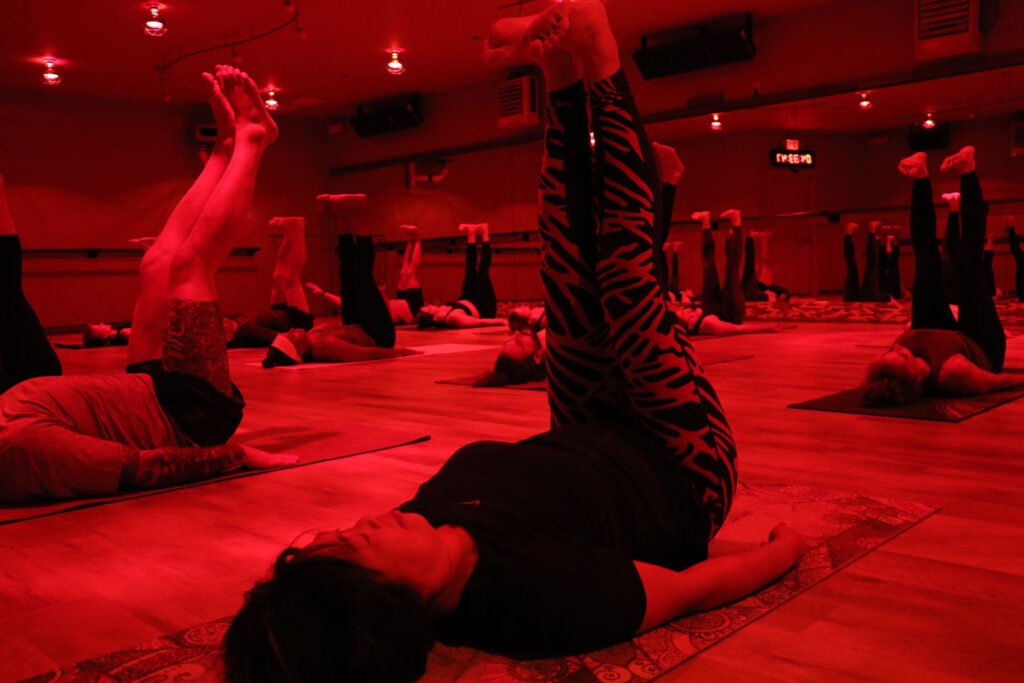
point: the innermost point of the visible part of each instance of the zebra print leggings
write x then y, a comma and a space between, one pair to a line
614, 349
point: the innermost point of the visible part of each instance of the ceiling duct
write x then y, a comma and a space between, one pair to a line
724, 41
947, 28
517, 102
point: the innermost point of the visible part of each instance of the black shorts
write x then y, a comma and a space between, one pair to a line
414, 297
206, 415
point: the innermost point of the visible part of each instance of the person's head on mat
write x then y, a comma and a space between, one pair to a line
520, 360
104, 334
897, 377
356, 604
289, 348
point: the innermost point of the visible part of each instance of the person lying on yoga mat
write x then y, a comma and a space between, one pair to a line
409, 297
941, 354
25, 352
477, 305
720, 312
167, 419
365, 331
575, 539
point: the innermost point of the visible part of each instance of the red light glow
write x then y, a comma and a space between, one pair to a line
155, 24
716, 123
929, 122
50, 76
395, 66
271, 102
864, 103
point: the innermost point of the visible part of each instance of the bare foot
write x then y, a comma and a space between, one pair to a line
338, 202
915, 166
704, 217
850, 227
953, 198
589, 38
670, 168
733, 216
470, 230
251, 118
222, 113
962, 162
144, 242
412, 232
873, 226
520, 40
289, 224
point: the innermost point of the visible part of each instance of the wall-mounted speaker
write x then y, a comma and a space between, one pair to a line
387, 116
724, 41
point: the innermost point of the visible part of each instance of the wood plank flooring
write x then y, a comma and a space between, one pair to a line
943, 602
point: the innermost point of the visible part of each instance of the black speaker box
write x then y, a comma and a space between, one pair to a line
923, 139
388, 116
723, 41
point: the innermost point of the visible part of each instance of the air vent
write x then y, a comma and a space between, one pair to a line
517, 102
947, 28
937, 18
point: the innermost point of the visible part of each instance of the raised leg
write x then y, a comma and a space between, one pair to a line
869, 285
851, 288
291, 258
409, 276
929, 308
25, 351
361, 301
669, 396
711, 298
978, 318
734, 302
485, 300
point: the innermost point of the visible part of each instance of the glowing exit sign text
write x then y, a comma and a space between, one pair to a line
787, 159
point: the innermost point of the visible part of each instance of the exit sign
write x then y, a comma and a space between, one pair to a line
788, 159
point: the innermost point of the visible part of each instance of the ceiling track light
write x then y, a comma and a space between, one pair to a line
929, 121
270, 101
716, 123
155, 24
864, 103
50, 76
395, 66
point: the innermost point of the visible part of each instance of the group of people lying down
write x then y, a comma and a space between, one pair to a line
569, 541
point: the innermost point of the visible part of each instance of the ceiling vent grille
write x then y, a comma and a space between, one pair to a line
947, 28
937, 18
517, 102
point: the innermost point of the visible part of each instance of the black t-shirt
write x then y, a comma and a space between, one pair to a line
558, 520
935, 347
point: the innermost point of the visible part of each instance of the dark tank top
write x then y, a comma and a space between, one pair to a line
935, 347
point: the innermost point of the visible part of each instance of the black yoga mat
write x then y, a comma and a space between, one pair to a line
937, 408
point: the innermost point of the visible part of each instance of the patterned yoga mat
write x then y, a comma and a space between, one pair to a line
843, 527
1011, 312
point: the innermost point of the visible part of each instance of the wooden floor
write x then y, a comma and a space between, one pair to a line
944, 601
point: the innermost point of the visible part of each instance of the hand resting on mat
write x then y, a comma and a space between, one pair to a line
255, 459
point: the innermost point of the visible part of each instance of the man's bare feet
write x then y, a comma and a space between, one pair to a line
670, 168
251, 118
337, 202
412, 232
289, 224
915, 166
703, 217
519, 40
222, 113
850, 227
953, 198
473, 229
733, 216
961, 162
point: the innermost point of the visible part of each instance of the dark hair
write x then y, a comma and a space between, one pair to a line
425, 320
92, 338
509, 370
321, 618
888, 384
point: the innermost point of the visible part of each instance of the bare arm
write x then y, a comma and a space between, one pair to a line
459, 318
715, 325
332, 299
330, 349
719, 580
960, 377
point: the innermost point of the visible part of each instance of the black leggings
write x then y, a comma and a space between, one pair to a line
978, 318
25, 352
868, 289
476, 283
729, 304
1018, 256
889, 271
361, 301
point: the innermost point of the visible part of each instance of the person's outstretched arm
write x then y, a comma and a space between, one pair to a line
332, 300
719, 580
714, 325
334, 350
459, 318
960, 377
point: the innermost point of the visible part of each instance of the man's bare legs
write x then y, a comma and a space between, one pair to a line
409, 278
291, 258
150, 315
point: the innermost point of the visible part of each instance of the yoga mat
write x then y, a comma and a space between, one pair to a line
708, 358
936, 408
700, 337
842, 526
309, 445
431, 350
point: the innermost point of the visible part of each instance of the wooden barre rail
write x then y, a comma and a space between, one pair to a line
97, 252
